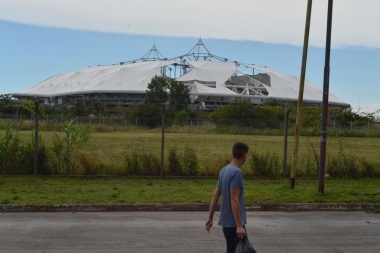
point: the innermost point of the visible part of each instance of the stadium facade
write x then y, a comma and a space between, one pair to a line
212, 81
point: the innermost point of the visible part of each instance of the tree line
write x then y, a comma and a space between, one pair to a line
175, 97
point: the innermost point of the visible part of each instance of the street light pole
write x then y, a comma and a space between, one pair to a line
325, 105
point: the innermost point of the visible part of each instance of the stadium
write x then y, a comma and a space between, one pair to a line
212, 81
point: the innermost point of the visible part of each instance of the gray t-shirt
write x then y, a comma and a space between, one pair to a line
230, 177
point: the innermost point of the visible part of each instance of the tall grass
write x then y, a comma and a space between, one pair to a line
66, 147
265, 165
17, 157
136, 152
142, 162
185, 163
346, 163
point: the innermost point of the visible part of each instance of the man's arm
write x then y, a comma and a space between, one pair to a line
214, 203
235, 203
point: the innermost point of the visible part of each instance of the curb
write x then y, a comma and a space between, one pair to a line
297, 207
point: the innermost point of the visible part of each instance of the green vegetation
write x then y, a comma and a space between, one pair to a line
126, 140
137, 152
66, 148
162, 90
16, 156
243, 114
93, 190
239, 117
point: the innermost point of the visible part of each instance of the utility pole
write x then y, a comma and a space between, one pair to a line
325, 105
300, 96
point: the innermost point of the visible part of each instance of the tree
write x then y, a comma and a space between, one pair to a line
342, 116
162, 90
179, 96
30, 106
157, 92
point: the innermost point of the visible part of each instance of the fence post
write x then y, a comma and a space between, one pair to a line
36, 136
286, 126
162, 140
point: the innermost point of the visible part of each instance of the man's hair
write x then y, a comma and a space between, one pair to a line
239, 150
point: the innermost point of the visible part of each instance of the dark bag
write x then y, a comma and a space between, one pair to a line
244, 246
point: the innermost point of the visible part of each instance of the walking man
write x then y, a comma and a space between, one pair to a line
231, 187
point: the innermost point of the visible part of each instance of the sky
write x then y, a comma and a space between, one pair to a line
42, 38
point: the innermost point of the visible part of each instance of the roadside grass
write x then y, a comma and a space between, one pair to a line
25, 190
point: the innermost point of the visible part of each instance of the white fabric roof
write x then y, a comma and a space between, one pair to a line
201, 89
117, 78
209, 71
287, 86
134, 78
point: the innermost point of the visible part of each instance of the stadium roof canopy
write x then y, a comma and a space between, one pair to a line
211, 80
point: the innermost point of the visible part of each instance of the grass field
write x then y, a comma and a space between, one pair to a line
93, 190
213, 150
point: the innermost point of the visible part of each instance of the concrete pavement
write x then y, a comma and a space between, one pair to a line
169, 232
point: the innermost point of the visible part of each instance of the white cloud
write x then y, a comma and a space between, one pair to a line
271, 21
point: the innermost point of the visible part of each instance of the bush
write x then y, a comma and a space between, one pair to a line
175, 166
148, 115
17, 158
233, 113
25, 162
133, 165
266, 165
190, 162
213, 165
242, 114
150, 164
142, 162
10, 148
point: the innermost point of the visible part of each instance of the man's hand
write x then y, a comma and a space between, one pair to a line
208, 225
241, 233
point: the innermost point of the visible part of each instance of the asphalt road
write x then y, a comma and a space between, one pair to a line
169, 232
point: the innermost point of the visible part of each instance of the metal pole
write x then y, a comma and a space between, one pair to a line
325, 105
162, 140
300, 96
36, 110
286, 124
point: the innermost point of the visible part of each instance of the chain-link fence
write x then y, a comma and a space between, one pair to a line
141, 157
119, 122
